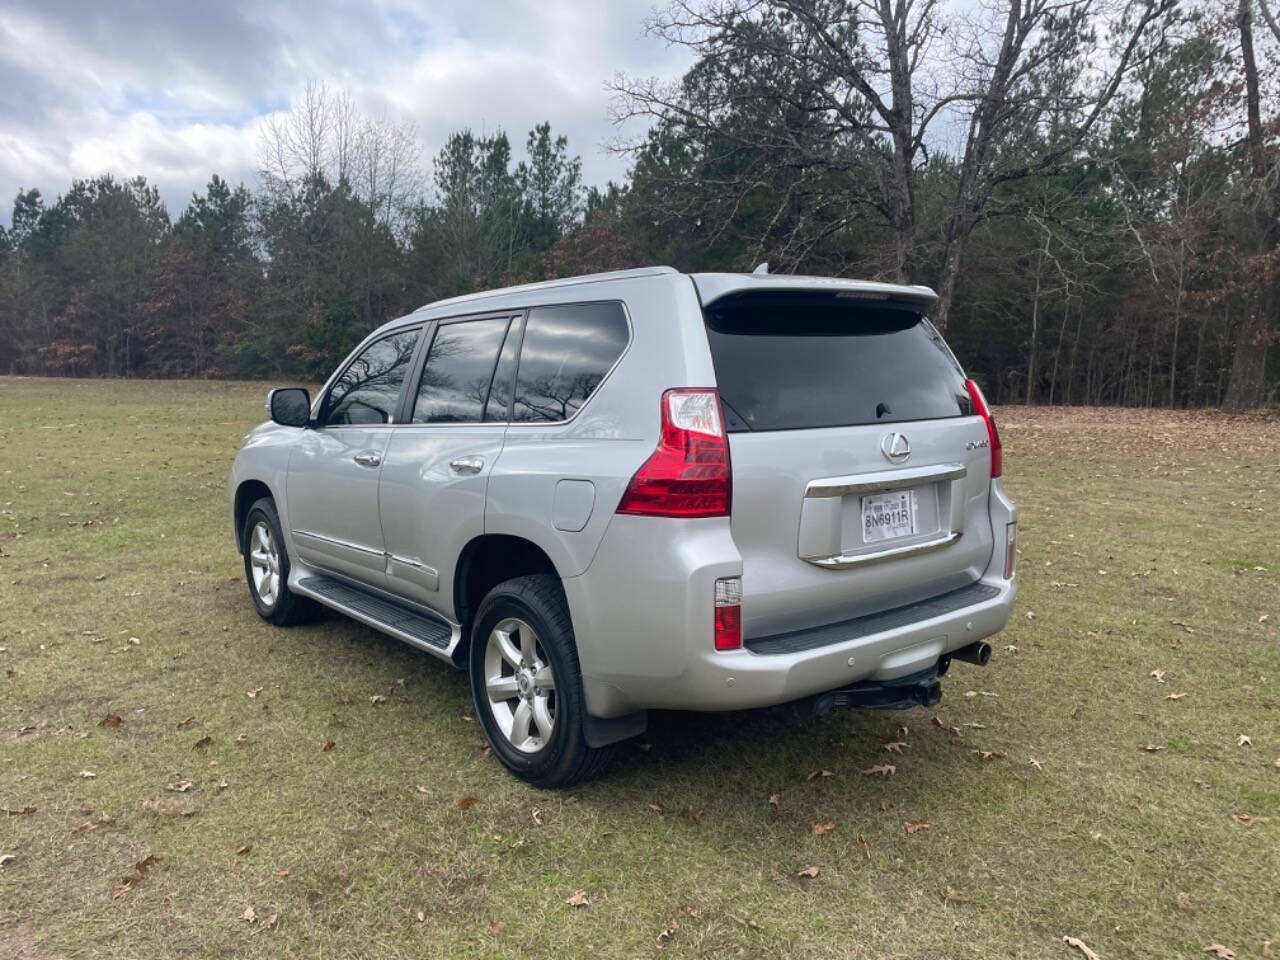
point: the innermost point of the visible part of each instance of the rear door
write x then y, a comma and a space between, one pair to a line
437, 465
860, 470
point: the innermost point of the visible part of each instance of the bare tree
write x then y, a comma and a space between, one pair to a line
325, 134
1024, 80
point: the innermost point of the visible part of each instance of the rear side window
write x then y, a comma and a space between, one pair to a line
788, 362
567, 351
459, 370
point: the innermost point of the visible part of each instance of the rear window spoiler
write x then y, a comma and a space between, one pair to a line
717, 286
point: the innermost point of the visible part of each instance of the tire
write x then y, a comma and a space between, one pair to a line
271, 595
532, 614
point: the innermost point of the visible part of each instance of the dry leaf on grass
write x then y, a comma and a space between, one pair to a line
885, 770
421, 917
536, 816
496, 927
283, 872
243, 849
183, 724
242, 738
1244, 740
579, 898
656, 807
1245, 820
110, 720
1175, 696
819, 773
1032, 761
117, 892
775, 805
895, 746
328, 745
6, 858
990, 754
179, 786
462, 803
20, 812
88, 774
1152, 748
819, 827
377, 698
1184, 903
1081, 946
952, 895
862, 842
954, 731
911, 826
91, 825
249, 916
809, 872
203, 742
1219, 951
1157, 675
253, 694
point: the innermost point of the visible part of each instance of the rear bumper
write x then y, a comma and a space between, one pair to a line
642, 615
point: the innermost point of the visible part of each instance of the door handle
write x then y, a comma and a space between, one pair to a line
467, 465
367, 459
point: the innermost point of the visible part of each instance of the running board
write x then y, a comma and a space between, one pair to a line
431, 633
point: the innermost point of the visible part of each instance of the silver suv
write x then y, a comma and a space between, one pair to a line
643, 490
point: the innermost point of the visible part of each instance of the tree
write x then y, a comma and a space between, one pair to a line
1020, 89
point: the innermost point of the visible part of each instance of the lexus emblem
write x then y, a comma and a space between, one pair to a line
895, 448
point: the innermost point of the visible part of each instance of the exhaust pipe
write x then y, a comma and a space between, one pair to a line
979, 653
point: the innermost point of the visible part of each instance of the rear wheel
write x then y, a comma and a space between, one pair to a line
266, 568
527, 684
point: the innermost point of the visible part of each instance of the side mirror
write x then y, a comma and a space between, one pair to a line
289, 406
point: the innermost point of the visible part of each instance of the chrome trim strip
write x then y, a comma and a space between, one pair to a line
339, 543
842, 561
885, 480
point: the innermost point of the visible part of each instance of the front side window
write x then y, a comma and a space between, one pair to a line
567, 351
368, 390
459, 370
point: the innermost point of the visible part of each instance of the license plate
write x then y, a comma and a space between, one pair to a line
887, 516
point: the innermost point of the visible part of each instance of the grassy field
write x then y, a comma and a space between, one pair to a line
1130, 722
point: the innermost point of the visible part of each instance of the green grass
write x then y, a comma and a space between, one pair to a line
113, 524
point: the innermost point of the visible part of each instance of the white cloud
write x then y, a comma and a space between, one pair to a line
176, 92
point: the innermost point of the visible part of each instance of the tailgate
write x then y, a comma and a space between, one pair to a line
860, 470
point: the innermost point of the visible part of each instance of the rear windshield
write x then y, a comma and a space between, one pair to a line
788, 362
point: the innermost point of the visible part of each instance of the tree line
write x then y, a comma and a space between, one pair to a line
1092, 186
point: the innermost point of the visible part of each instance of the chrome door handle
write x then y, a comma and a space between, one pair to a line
467, 465
367, 459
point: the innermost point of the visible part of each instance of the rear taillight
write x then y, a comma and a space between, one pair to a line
1010, 548
993, 435
729, 613
688, 474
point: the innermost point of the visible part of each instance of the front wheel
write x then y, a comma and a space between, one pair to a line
527, 684
266, 568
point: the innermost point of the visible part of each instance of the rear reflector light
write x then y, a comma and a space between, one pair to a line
729, 613
993, 435
688, 475
1010, 549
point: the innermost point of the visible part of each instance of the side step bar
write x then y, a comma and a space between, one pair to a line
425, 631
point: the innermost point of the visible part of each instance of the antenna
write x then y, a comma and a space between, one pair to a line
762, 269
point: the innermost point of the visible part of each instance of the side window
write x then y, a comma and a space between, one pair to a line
500, 393
567, 350
368, 389
455, 379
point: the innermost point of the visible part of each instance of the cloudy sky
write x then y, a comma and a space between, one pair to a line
177, 90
